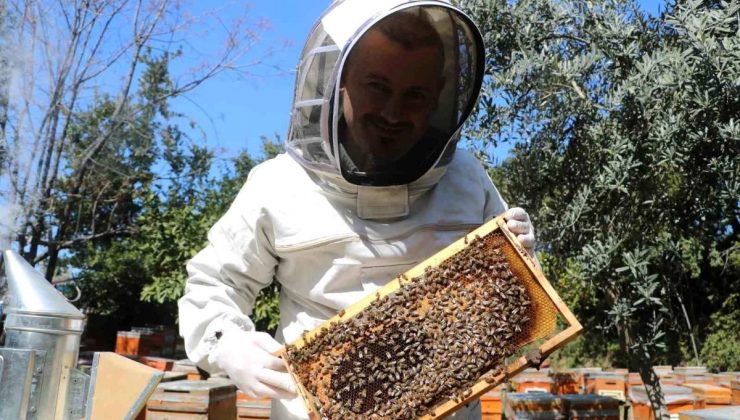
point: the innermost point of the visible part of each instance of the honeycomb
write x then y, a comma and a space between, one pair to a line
427, 341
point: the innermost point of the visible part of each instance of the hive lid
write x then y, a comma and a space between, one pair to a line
30, 293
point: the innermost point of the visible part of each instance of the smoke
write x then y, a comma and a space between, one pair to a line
8, 217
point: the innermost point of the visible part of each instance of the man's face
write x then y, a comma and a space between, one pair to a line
388, 95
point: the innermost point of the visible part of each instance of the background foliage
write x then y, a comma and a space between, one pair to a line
624, 134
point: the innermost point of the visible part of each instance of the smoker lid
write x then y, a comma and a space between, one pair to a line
30, 293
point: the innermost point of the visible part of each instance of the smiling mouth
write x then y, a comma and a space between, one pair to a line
389, 130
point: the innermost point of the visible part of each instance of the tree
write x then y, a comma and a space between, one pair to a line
75, 52
625, 148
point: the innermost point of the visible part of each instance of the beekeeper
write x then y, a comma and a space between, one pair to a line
370, 186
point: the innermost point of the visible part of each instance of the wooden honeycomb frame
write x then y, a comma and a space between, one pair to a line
526, 270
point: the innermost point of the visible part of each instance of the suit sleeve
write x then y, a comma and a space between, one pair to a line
225, 277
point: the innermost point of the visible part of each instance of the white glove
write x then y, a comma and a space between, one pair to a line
517, 220
246, 357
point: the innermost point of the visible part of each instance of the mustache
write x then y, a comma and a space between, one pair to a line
383, 123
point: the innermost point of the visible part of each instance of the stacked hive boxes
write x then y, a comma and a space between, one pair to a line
191, 400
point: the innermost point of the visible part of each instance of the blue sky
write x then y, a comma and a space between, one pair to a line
234, 113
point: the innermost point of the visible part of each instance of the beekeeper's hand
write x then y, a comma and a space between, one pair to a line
246, 357
517, 220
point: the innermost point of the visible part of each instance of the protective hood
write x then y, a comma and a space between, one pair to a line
382, 91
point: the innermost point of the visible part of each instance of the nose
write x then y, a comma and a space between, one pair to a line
393, 109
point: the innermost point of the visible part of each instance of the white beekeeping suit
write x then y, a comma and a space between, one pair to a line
346, 209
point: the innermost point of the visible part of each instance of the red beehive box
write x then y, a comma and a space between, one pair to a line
724, 413
490, 404
606, 383
591, 407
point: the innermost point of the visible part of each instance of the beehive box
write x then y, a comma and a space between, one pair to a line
160, 363
134, 343
490, 405
694, 378
533, 382
711, 394
735, 387
192, 400
436, 337
534, 405
678, 399
591, 407
566, 382
633, 380
251, 409
723, 413
606, 383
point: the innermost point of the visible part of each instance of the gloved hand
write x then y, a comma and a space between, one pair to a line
246, 357
517, 220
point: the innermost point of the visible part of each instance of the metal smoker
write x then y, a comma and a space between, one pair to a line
38, 374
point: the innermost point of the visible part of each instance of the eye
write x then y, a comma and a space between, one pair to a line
417, 97
378, 87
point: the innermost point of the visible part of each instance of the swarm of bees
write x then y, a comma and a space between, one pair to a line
424, 344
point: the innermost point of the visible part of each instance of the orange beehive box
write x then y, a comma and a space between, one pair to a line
591, 407
606, 383
533, 382
190, 400
490, 404
533, 405
735, 387
567, 382
160, 363
251, 409
678, 399
711, 394
133, 343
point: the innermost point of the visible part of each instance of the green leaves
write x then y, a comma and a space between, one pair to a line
625, 151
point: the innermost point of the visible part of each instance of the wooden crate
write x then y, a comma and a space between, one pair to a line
546, 308
735, 387
606, 384
534, 405
567, 382
191, 400
722, 413
490, 404
251, 409
591, 407
711, 394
